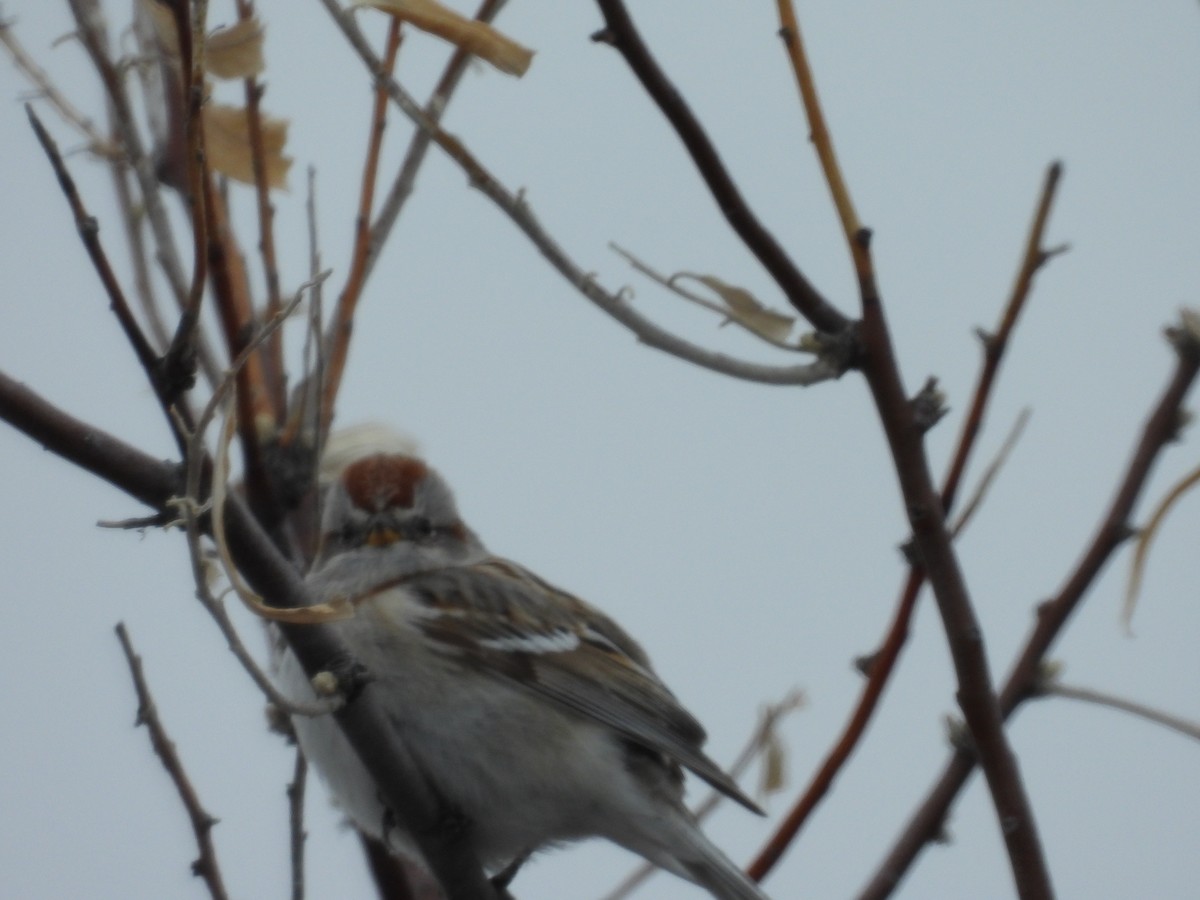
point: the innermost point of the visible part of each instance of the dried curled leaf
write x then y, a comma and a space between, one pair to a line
227, 141
471, 35
236, 51
773, 775
743, 306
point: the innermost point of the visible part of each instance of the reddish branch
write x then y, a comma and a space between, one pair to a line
1160, 429
905, 435
205, 866
343, 316
273, 367
882, 662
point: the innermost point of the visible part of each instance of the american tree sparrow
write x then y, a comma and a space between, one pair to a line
535, 715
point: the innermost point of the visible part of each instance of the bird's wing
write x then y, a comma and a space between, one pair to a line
507, 621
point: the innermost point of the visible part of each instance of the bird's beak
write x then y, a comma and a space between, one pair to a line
382, 536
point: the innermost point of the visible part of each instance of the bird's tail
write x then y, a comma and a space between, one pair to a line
683, 849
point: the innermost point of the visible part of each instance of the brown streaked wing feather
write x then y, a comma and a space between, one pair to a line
554, 644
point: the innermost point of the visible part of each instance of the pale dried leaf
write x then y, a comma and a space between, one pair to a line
747, 310
773, 775
236, 51
473, 36
227, 141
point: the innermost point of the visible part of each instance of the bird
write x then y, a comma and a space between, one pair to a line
531, 712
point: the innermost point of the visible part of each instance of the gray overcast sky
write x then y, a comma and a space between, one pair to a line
745, 534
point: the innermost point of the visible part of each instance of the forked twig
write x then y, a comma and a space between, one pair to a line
882, 662
513, 204
340, 328
435, 108
46, 88
1162, 424
206, 865
621, 33
298, 836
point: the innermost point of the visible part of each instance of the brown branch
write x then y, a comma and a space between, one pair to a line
180, 359
1161, 427
964, 635
338, 340
435, 108
274, 373
46, 88
880, 665
89, 21
89, 233
295, 796
789, 31
364, 722
996, 343
621, 33
205, 866
1178, 724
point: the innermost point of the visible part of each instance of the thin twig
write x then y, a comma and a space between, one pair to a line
342, 324
620, 32
191, 507
513, 204
989, 474
1161, 426
671, 283
996, 343
202, 823
179, 360
46, 89
852, 229
295, 795
89, 233
435, 108
1089, 695
882, 662
135, 236
1145, 538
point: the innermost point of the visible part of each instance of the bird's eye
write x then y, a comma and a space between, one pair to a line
420, 528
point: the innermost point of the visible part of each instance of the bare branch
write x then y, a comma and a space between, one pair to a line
202, 823
621, 33
990, 473
298, 836
89, 231
515, 207
852, 229
1053, 687
90, 23
337, 343
996, 344
926, 822
435, 108
46, 89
